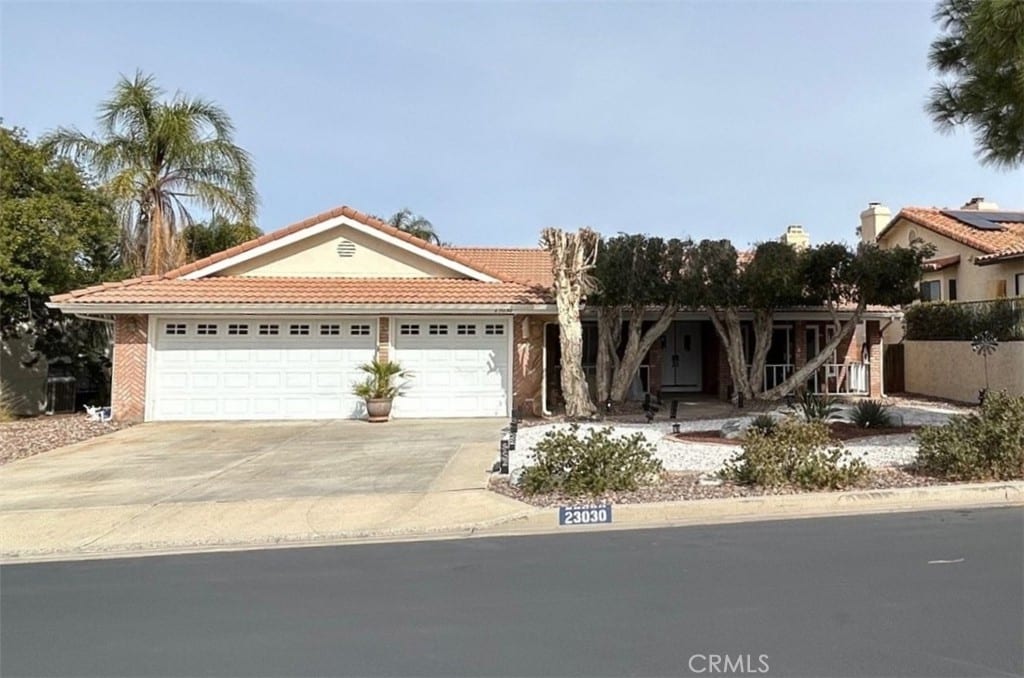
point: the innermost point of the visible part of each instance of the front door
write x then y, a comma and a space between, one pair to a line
681, 359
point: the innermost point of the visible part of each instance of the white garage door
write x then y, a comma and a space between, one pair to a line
460, 366
258, 368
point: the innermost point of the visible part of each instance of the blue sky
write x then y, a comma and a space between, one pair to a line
496, 119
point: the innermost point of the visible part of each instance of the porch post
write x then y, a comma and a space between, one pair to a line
873, 336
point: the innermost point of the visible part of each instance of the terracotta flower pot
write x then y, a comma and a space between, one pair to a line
378, 409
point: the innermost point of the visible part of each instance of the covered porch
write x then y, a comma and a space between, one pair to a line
690, 358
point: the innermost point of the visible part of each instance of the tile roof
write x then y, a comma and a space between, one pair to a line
1003, 243
343, 211
255, 290
939, 263
521, 264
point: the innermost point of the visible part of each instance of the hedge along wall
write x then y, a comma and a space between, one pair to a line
962, 321
950, 369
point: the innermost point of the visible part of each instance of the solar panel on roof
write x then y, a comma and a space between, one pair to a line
986, 221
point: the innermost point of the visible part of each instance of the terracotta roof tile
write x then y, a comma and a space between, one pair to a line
1010, 238
531, 265
939, 263
254, 290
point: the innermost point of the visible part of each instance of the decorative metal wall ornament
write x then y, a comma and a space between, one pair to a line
984, 344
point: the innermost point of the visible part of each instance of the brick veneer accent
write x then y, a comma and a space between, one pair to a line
128, 387
383, 338
527, 362
873, 334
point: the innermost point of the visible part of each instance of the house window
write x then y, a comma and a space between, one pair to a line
330, 330
206, 329
494, 329
409, 330
175, 328
465, 330
931, 290
437, 330
360, 330
298, 330
952, 289
269, 330
1018, 282
238, 329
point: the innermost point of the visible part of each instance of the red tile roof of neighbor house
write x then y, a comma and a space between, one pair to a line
521, 275
939, 263
521, 264
1005, 243
257, 290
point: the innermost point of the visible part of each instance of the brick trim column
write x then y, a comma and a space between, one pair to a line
527, 363
873, 337
128, 379
383, 338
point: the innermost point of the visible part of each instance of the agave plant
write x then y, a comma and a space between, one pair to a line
381, 381
870, 414
818, 408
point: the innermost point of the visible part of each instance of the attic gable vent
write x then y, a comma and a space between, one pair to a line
346, 248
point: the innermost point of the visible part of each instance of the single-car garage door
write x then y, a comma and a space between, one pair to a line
258, 368
460, 366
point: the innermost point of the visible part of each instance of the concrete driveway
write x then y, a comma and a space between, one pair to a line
245, 461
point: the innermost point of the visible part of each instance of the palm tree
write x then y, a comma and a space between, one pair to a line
218, 234
159, 160
414, 224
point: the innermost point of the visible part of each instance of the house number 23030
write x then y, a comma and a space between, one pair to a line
585, 515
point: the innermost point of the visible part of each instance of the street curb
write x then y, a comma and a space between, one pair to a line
536, 520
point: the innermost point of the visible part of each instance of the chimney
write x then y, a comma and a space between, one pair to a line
979, 204
873, 220
797, 237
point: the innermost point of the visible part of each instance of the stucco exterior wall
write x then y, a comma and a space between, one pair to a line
974, 283
950, 369
318, 257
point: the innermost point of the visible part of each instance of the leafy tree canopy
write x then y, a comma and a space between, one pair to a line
57, 232
639, 270
980, 58
216, 235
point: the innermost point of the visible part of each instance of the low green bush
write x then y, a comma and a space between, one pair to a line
984, 445
961, 321
574, 465
818, 408
796, 453
871, 414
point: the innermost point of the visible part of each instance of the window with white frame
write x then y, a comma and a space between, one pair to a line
437, 330
206, 329
269, 329
238, 329
329, 329
177, 329
465, 330
931, 290
492, 330
299, 330
409, 330
360, 330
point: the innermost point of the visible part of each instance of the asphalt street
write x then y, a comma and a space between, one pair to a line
912, 594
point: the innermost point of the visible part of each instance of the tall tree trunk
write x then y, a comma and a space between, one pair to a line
637, 345
727, 325
572, 259
804, 373
156, 245
763, 321
609, 330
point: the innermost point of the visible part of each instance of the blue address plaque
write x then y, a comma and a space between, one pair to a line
591, 514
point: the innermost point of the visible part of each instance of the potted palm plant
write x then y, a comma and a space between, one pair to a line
380, 387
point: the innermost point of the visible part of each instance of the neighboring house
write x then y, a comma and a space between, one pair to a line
276, 329
979, 249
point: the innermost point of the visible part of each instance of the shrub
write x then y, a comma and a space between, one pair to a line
764, 423
961, 321
871, 414
797, 453
574, 465
818, 408
983, 445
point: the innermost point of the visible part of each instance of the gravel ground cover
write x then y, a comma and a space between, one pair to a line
22, 438
685, 486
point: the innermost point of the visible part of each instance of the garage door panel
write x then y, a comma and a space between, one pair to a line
252, 375
453, 374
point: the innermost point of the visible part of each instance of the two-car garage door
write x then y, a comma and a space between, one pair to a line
304, 367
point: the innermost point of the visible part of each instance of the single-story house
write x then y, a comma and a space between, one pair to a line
276, 328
